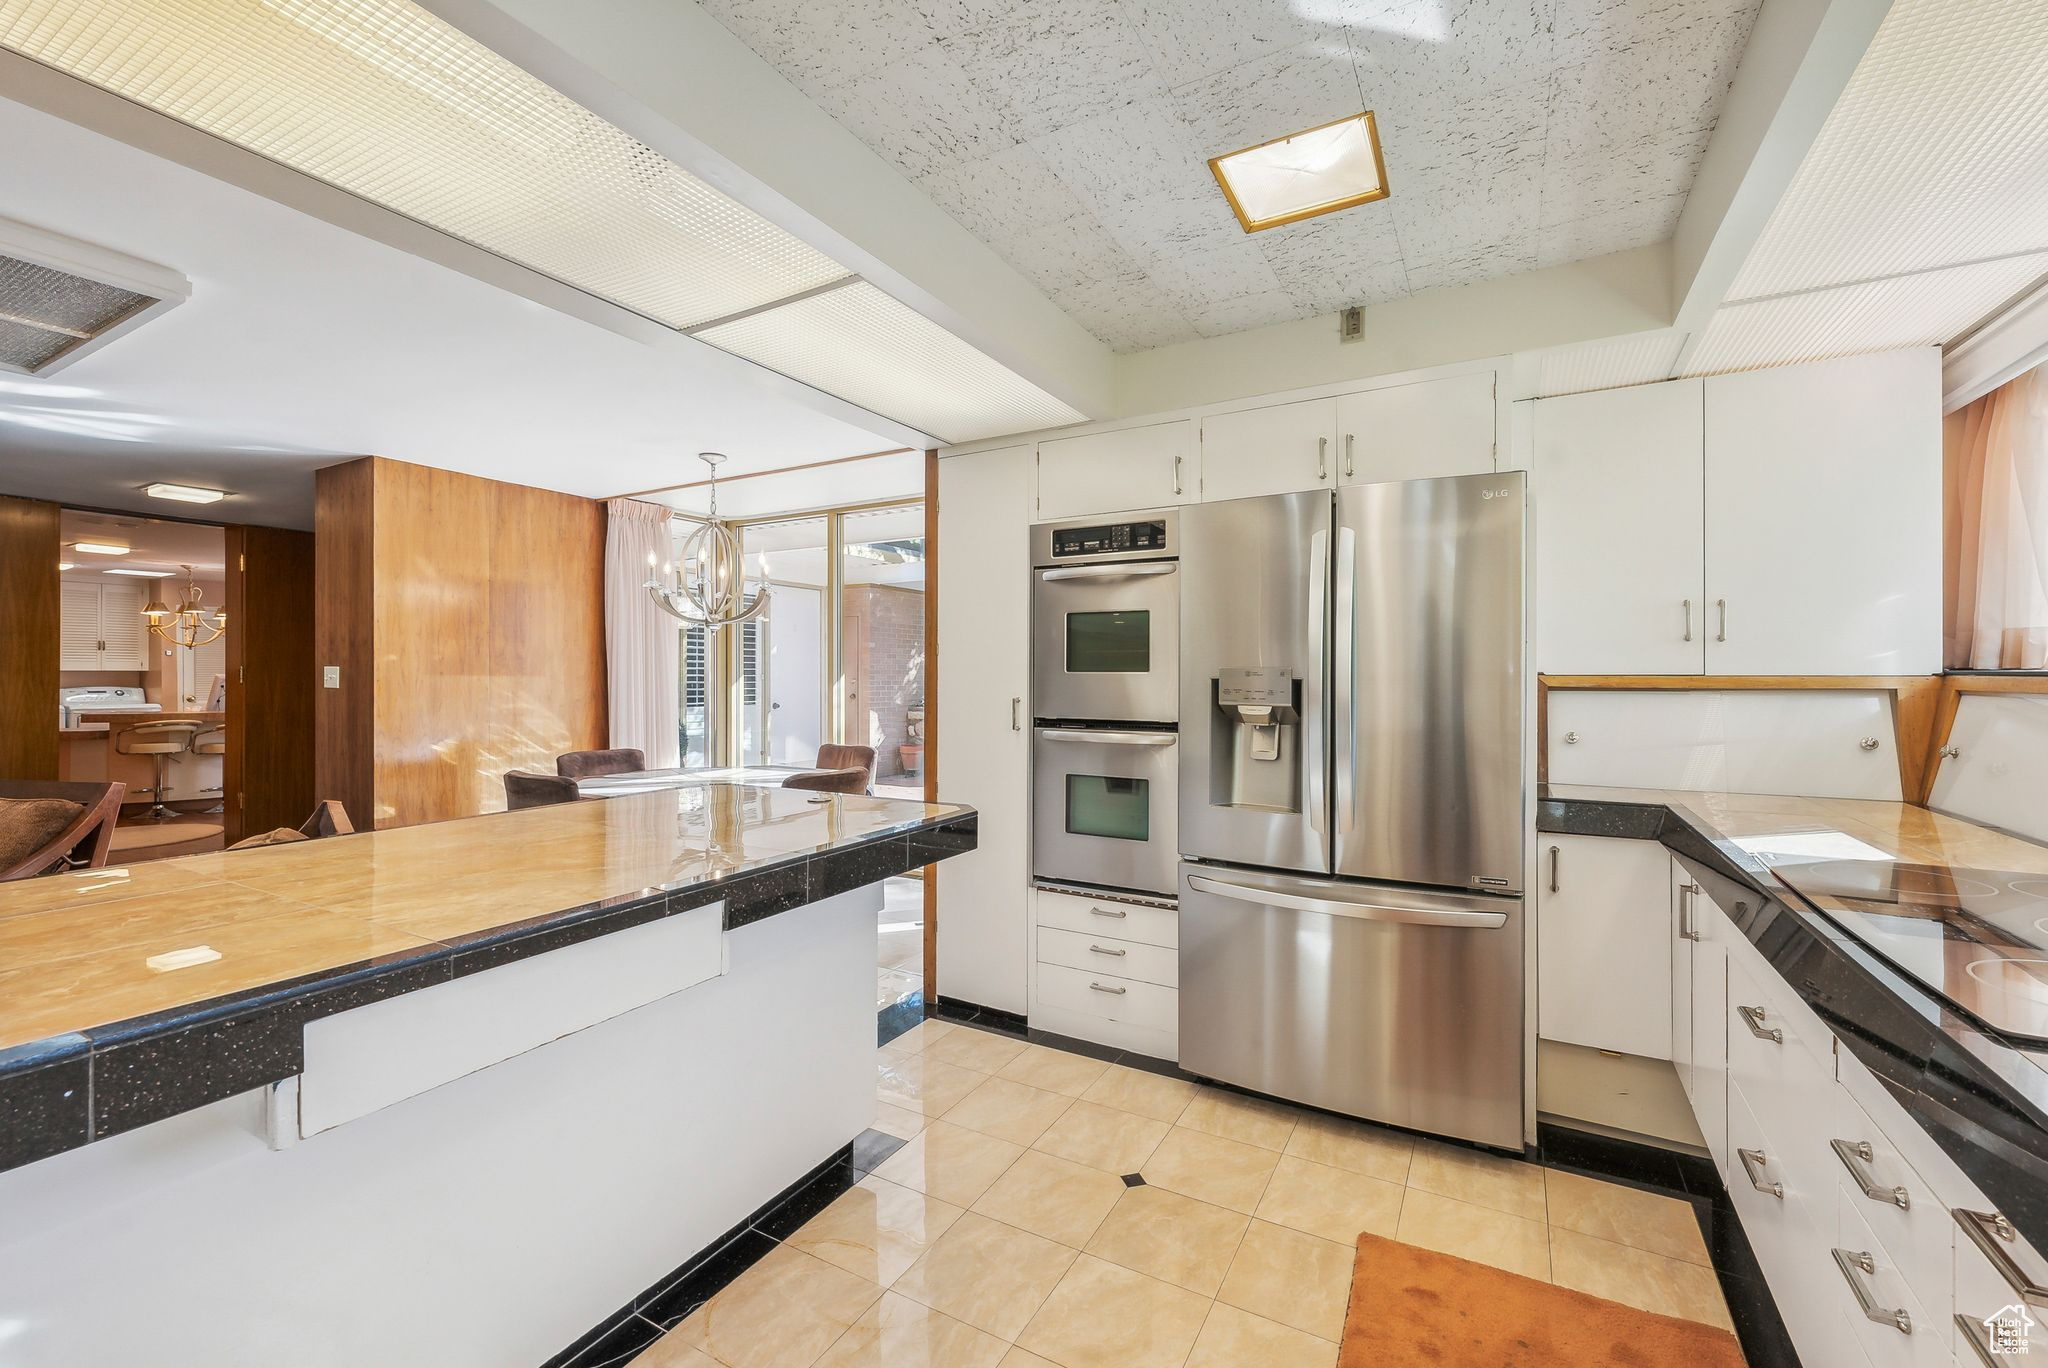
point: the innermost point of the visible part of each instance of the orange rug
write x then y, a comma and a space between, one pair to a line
1414, 1308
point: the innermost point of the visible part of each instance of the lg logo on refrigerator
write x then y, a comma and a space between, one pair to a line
1496, 493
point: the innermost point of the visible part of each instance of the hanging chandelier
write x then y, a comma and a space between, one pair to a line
709, 588
191, 623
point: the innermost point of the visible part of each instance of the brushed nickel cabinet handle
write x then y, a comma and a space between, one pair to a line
1753, 1017
1350, 466
1991, 1233
1322, 458
1722, 604
1856, 1156
1752, 1163
1975, 1335
1553, 869
1861, 1263
1688, 619
1103, 988
1176, 472
1016, 721
1108, 912
1687, 912
1105, 950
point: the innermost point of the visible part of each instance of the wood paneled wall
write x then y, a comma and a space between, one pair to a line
30, 627
268, 770
467, 616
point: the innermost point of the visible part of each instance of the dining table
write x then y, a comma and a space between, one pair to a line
644, 781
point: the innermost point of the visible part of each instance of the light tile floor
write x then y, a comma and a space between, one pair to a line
1004, 1234
899, 943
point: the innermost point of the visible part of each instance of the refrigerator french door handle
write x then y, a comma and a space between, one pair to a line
1337, 907
1067, 572
1314, 770
1108, 738
1345, 668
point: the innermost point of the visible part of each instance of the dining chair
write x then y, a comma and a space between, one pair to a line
329, 818
524, 789
48, 827
588, 764
840, 769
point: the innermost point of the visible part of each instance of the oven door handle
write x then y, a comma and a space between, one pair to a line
1067, 572
1109, 738
1338, 907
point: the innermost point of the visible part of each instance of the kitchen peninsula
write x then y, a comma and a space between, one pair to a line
400, 1072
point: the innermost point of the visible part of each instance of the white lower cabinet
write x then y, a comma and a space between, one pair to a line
1107, 971
1700, 946
1601, 938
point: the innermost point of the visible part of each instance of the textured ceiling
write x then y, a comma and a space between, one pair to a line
1072, 135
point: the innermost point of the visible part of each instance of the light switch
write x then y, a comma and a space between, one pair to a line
330, 676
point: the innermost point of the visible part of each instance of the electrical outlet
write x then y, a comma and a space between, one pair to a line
330, 676
1351, 325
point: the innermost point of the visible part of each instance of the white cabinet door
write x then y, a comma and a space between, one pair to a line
1823, 517
1276, 450
984, 722
78, 633
121, 626
1618, 499
1417, 432
1602, 945
1679, 901
1114, 472
1708, 999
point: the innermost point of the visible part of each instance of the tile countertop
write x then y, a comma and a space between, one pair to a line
303, 930
1983, 1099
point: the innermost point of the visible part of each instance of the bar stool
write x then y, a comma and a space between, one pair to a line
162, 740
214, 741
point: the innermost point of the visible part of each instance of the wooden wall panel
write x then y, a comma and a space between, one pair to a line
483, 639
29, 630
344, 595
272, 680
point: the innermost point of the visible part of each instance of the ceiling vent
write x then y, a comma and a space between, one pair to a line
61, 298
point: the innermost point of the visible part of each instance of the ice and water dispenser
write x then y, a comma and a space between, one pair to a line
1255, 742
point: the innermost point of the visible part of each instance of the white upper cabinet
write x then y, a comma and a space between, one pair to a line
79, 626
101, 626
1823, 518
1114, 472
1417, 432
1619, 543
1275, 450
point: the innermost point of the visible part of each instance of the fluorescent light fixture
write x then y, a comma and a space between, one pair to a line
92, 548
62, 566
1316, 171
138, 574
184, 493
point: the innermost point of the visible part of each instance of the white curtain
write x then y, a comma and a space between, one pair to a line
1996, 586
642, 643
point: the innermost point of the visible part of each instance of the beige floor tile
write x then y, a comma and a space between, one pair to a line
1296, 1279
973, 1049
1482, 1234
1625, 1215
1024, 1358
1636, 1277
670, 1352
1252, 1120
1103, 1316
1145, 1094
893, 986
1009, 1111
897, 1332
900, 1122
1056, 1198
1355, 1145
1186, 1242
1102, 1137
1237, 1339
900, 950
924, 1033
1054, 1070
993, 1276
1334, 1203
1471, 1176
950, 1162
788, 1308
919, 1083
1208, 1168
877, 1229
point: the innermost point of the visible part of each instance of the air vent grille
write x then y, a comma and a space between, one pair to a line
45, 313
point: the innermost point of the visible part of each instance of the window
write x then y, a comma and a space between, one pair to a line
1995, 585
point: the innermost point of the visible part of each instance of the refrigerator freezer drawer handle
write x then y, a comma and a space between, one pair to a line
1109, 738
1405, 916
1067, 572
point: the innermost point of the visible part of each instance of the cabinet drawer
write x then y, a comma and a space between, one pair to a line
1918, 1235
1791, 1229
1916, 1339
1106, 955
1983, 1289
1109, 997
1105, 917
1770, 1059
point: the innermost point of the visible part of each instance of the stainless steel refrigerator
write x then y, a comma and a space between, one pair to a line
1351, 800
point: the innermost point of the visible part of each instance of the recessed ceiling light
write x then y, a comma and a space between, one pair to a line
139, 574
1316, 171
184, 493
92, 548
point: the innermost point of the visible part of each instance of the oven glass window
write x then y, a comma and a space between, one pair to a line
1099, 805
1109, 643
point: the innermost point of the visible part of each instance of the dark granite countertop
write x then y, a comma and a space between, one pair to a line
1982, 1098
134, 993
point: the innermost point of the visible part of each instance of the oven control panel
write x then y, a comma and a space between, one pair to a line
1110, 539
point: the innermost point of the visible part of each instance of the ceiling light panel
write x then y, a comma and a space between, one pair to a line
872, 350
1316, 171
382, 99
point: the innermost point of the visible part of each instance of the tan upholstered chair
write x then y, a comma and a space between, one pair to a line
161, 740
328, 819
591, 763
47, 828
840, 769
525, 790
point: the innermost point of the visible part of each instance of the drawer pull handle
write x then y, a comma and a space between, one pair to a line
1861, 1262
1991, 1233
1105, 950
1979, 1339
1753, 1017
1105, 988
1108, 912
1752, 1163
1857, 1156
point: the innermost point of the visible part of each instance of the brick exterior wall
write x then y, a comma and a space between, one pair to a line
894, 668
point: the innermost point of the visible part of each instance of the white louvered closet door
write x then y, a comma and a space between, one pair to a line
122, 627
79, 626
